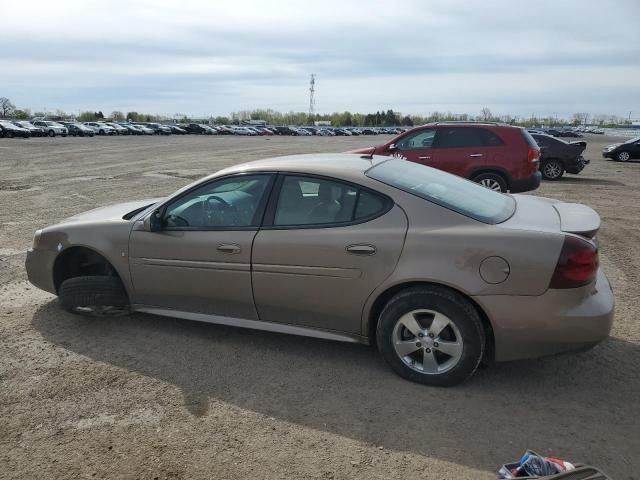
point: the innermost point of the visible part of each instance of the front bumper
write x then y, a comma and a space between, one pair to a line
39, 266
530, 183
554, 322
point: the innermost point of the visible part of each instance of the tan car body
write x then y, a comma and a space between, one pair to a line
304, 281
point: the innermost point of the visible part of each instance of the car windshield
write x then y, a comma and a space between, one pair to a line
446, 190
633, 140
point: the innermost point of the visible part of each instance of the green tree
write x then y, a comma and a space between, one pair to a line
117, 116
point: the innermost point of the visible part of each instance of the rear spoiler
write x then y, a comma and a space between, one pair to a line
578, 219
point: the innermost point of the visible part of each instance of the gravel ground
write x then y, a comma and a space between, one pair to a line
151, 397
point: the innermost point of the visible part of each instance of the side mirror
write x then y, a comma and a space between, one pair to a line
153, 222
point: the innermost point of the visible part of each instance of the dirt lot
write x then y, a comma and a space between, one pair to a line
151, 397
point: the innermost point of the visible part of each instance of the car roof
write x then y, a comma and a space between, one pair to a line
339, 165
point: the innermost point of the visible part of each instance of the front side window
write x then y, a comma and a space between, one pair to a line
417, 140
314, 201
222, 204
459, 138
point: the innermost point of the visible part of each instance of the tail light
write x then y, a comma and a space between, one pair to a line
577, 264
534, 155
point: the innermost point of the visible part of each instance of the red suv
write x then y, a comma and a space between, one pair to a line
498, 156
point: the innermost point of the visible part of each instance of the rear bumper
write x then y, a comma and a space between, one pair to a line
577, 166
554, 322
525, 185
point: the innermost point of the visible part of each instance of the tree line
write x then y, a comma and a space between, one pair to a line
382, 118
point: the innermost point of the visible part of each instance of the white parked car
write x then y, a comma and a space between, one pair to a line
52, 128
101, 128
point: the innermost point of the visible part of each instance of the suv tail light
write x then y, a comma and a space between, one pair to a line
534, 155
577, 264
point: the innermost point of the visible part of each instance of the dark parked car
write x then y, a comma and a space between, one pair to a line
558, 156
285, 131
177, 130
497, 156
623, 152
35, 131
79, 130
197, 128
9, 130
133, 129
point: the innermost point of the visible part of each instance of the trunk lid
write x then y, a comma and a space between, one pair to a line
552, 215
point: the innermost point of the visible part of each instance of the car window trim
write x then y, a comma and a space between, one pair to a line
257, 216
270, 213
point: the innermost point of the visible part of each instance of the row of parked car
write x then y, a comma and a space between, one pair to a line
49, 128
575, 132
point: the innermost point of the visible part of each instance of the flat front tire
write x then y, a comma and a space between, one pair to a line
431, 335
96, 296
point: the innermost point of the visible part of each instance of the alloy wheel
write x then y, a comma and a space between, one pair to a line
491, 184
427, 341
624, 156
552, 170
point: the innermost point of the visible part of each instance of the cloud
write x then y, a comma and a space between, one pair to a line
203, 57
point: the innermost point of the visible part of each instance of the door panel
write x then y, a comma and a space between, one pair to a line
458, 150
308, 277
185, 270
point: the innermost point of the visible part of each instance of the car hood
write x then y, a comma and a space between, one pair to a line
612, 146
111, 212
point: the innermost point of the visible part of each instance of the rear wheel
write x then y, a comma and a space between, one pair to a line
492, 181
623, 156
431, 335
52, 133
97, 296
552, 169
9, 134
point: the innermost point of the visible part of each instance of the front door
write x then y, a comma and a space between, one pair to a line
324, 247
200, 261
416, 146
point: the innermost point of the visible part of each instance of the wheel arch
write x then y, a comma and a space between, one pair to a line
81, 260
383, 298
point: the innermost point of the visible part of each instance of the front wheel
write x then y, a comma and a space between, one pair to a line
96, 296
431, 335
552, 170
623, 156
52, 133
492, 181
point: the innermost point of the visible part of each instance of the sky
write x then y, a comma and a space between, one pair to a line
214, 57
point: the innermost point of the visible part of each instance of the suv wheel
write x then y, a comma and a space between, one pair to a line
52, 133
623, 156
96, 296
552, 169
431, 335
492, 181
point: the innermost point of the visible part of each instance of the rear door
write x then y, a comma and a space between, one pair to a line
458, 150
325, 246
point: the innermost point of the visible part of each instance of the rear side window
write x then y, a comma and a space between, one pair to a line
489, 138
369, 205
459, 137
448, 191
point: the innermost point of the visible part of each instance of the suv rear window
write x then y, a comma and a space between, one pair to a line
449, 191
529, 139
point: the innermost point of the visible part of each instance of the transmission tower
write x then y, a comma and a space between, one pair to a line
312, 100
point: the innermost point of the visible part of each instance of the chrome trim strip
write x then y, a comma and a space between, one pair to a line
307, 270
162, 262
253, 324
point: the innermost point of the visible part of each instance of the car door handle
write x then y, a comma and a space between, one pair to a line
424, 158
475, 155
362, 249
229, 248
